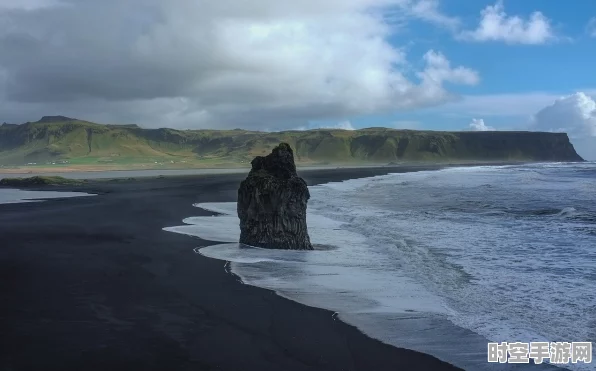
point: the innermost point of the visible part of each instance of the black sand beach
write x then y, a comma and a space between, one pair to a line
94, 283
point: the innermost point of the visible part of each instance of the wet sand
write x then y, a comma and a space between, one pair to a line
93, 283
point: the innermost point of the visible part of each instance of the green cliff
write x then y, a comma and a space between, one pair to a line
69, 141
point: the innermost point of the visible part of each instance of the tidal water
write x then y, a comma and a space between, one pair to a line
10, 196
440, 261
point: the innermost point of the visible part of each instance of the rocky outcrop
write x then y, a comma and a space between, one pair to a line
272, 203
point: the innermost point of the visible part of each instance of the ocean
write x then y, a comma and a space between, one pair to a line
439, 261
9, 196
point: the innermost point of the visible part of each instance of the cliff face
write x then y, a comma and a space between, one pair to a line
519, 145
272, 203
49, 139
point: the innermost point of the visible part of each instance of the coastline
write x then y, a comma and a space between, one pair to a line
90, 172
101, 279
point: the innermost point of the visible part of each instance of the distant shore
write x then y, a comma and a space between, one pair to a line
94, 283
83, 172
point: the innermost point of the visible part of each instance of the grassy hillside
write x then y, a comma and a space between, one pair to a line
66, 141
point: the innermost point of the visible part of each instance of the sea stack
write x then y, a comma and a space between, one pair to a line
272, 203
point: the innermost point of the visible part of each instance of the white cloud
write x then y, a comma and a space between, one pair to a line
574, 114
438, 70
493, 105
479, 125
591, 27
344, 125
230, 63
496, 25
428, 10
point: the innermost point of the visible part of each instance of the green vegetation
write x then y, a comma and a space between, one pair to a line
64, 142
38, 181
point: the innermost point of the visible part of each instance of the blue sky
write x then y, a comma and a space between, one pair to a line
537, 73
271, 65
558, 66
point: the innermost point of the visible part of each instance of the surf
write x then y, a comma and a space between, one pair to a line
419, 263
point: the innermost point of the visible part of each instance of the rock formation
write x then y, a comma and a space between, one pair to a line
272, 203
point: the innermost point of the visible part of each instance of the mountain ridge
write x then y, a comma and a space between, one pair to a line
60, 138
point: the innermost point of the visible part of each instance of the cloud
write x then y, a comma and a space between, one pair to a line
428, 10
496, 25
230, 63
497, 105
591, 27
438, 70
574, 114
344, 125
479, 125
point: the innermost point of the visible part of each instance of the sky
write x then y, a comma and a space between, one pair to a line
278, 65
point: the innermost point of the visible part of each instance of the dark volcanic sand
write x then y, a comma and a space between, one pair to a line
94, 283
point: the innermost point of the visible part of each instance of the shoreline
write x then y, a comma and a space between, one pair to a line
99, 276
428, 331
91, 172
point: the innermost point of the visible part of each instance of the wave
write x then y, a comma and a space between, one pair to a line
435, 255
